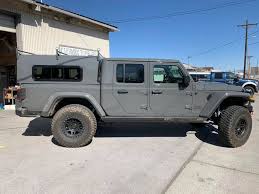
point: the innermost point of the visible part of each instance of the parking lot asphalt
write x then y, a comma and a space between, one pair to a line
125, 158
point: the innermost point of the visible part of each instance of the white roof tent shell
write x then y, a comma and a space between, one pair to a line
109, 27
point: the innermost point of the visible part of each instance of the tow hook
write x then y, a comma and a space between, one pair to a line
251, 99
250, 108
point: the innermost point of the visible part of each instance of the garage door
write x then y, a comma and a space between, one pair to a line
7, 23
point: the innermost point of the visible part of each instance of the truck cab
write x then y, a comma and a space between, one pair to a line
224, 77
146, 87
230, 78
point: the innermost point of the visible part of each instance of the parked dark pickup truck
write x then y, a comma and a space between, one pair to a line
250, 85
79, 92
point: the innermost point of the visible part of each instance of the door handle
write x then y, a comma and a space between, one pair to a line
144, 106
122, 91
157, 92
189, 93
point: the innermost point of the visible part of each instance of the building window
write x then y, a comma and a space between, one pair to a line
130, 73
56, 73
167, 74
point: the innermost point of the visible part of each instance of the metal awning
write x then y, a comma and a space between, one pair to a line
72, 14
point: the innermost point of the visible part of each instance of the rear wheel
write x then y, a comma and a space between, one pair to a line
235, 126
74, 126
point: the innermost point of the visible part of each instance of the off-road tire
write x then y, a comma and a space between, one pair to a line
77, 112
228, 126
250, 88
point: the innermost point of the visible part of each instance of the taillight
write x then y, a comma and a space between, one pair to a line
5, 92
21, 94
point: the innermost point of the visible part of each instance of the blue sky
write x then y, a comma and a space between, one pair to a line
176, 37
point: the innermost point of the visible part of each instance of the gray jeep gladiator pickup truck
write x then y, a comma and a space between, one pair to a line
79, 92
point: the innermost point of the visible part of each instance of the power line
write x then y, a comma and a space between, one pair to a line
253, 43
221, 46
181, 13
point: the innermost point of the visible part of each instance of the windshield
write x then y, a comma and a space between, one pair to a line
230, 75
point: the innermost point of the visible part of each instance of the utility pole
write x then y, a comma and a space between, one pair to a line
249, 66
257, 70
246, 26
189, 59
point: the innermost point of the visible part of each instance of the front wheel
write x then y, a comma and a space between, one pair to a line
74, 126
235, 126
250, 89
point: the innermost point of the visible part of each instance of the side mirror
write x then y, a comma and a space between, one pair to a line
236, 79
186, 80
195, 79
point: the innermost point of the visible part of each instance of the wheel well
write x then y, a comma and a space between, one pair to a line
251, 85
232, 101
66, 101
225, 104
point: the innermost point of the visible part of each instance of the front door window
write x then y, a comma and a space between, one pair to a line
168, 95
167, 74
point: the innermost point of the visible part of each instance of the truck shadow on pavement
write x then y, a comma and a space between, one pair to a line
208, 134
38, 127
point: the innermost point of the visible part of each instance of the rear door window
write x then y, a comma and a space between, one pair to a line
218, 75
130, 73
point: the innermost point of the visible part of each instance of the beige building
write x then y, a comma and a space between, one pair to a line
38, 28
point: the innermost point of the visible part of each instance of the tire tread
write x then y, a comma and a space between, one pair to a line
225, 124
74, 108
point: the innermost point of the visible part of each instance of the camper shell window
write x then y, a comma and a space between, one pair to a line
57, 73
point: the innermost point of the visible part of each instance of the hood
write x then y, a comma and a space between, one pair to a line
217, 86
251, 80
248, 80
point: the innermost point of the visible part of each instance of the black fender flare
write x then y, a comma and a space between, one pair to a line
215, 100
54, 99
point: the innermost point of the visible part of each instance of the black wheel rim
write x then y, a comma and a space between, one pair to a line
250, 90
241, 128
72, 127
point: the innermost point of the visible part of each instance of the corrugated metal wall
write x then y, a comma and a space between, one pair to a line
42, 34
